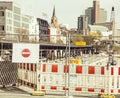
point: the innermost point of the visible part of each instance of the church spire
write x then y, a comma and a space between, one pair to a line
53, 11
54, 20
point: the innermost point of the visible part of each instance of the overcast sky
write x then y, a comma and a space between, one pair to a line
67, 11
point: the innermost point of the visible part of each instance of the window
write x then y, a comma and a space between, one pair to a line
16, 23
25, 19
2, 20
9, 28
16, 17
1, 13
2, 28
9, 14
9, 21
17, 10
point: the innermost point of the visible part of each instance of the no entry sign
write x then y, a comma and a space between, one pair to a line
25, 52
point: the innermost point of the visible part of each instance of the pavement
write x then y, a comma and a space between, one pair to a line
25, 92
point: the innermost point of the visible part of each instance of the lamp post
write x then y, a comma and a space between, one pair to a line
67, 77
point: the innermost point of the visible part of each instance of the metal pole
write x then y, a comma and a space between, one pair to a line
66, 63
67, 78
69, 64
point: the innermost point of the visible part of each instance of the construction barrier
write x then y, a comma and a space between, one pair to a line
73, 79
27, 75
8, 73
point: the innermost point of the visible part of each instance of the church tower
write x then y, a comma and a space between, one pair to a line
54, 20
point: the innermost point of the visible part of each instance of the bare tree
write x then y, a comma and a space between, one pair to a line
23, 34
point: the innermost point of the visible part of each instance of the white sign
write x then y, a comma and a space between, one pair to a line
25, 53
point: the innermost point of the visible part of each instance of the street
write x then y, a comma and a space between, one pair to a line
15, 92
23, 92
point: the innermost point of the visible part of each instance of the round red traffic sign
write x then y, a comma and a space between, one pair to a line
26, 53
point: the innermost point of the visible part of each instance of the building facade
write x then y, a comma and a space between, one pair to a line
103, 16
90, 14
83, 24
33, 30
96, 10
96, 14
43, 29
11, 20
54, 29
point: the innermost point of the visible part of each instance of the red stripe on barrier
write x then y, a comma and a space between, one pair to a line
42, 87
54, 68
65, 69
64, 88
112, 71
90, 89
102, 70
119, 71
35, 67
23, 65
118, 90
28, 84
44, 68
91, 69
112, 91
32, 85
20, 65
31, 67
79, 69
27, 66
78, 89
53, 87
102, 90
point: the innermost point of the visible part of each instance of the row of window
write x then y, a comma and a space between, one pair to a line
16, 17
9, 21
25, 19
2, 20
1, 13
2, 28
16, 23
9, 28
43, 23
17, 10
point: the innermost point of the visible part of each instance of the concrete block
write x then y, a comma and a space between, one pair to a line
38, 93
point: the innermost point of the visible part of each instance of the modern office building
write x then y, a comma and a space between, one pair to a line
90, 14
103, 16
83, 24
96, 14
11, 20
96, 11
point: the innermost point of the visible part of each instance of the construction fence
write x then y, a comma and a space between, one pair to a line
54, 78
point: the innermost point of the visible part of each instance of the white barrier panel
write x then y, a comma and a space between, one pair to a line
53, 77
27, 74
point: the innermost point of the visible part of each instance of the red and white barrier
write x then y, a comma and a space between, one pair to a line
27, 74
77, 79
